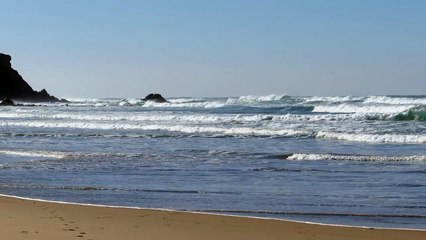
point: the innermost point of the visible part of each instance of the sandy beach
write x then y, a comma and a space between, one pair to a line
29, 219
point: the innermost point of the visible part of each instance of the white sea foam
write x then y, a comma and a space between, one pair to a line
333, 99
317, 117
395, 100
221, 131
207, 104
130, 102
114, 117
122, 116
81, 100
189, 129
367, 158
185, 100
267, 98
373, 138
26, 153
350, 108
190, 118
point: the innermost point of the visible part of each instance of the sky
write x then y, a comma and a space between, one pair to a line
129, 48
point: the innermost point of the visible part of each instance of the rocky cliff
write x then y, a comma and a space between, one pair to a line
13, 86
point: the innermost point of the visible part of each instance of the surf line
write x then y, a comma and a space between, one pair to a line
307, 213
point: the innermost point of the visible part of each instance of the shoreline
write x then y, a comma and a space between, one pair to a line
208, 213
24, 218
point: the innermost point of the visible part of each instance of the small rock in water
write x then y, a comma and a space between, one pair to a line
155, 97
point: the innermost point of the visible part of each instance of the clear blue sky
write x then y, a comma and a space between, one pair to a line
105, 48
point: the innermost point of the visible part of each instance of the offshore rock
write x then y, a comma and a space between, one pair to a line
155, 97
13, 86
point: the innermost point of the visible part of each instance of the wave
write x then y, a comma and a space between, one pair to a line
350, 108
188, 104
186, 100
122, 116
396, 100
98, 188
193, 118
130, 102
414, 114
90, 135
221, 131
82, 100
347, 157
41, 154
368, 215
374, 138
204, 102
210, 130
257, 99
250, 100
52, 157
389, 100
219, 153
333, 99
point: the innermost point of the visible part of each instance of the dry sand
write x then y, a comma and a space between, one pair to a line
28, 219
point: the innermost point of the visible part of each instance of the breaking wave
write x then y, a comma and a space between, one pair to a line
347, 157
256, 99
373, 109
396, 100
414, 114
188, 129
374, 138
38, 154
333, 99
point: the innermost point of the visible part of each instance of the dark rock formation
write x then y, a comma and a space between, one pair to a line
7, 102
155, 97
13, 86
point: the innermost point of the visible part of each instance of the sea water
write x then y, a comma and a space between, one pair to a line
355, 160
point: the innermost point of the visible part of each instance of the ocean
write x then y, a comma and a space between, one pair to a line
352, 160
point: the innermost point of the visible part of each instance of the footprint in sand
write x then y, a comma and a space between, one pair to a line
81, 234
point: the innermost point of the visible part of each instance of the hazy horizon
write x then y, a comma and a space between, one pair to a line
99, 49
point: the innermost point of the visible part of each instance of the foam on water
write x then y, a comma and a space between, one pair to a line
186, 100
82, 100
26, 153
333, 99
362, 158
183, 104
216, 130
350, 108
189, 118
396, 100
256, 99
373, 138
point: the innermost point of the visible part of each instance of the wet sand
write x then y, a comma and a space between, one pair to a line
29, 219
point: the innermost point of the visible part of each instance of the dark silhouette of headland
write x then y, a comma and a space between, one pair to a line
13, 86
